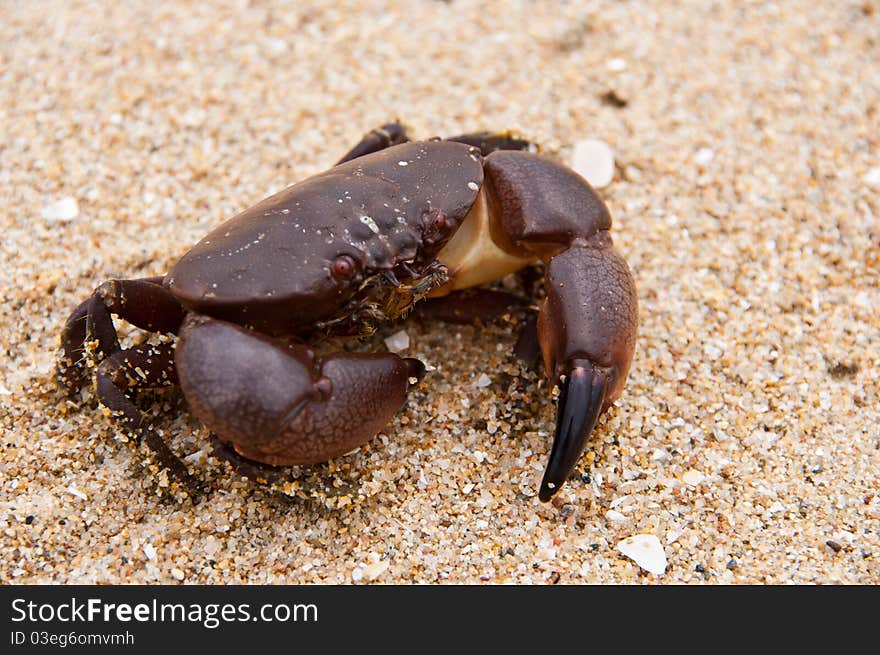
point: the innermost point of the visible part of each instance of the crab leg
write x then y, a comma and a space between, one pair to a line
470, 306
276, 403
393, 134
489, 142
125, 372
586, 327
388, 135
143, 302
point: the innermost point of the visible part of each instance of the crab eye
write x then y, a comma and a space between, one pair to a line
344, 267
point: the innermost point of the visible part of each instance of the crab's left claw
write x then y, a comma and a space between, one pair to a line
587, 331
587, 325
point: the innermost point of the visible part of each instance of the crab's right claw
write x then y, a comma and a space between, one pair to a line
581, 400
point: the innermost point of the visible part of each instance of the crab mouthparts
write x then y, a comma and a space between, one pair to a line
385, 296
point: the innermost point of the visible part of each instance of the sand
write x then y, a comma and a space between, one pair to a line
746, 199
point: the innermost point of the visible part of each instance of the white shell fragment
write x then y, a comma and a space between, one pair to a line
872, 177
149, 550
483, 381
370, 223
64, 210
73, 491
703, 156
693, 477
646, 551
594, 160
397, 342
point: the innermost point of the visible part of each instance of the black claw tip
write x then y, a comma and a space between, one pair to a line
416, 368
580, 403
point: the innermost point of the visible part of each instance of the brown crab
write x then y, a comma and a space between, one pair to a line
393, 222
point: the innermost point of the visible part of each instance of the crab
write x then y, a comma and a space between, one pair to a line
395, 222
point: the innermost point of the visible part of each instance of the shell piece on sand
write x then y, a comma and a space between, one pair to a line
693, 477
373, 571
646, 551
703, 156
397, 342
65, 209
594, 160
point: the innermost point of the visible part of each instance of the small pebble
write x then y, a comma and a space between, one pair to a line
397, 342
660, 455
197, 457
872, 177
65, 209
646, 551
712, 351
483, 381
276, 46
692, 478
615, 516
703, 156
833, 545
212, 545
594, 160
194, 117
149, 551
373, 571
177, 574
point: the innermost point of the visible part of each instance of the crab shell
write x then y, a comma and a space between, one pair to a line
272, 266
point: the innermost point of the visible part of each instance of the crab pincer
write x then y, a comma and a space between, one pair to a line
276, 403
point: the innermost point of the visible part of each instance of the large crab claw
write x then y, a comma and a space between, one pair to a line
586, 330
587, 325
276, 404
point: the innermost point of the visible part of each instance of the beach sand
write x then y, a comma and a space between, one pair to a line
746, 200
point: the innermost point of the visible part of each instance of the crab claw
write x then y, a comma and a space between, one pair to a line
581, 400
587, 332
276, 403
